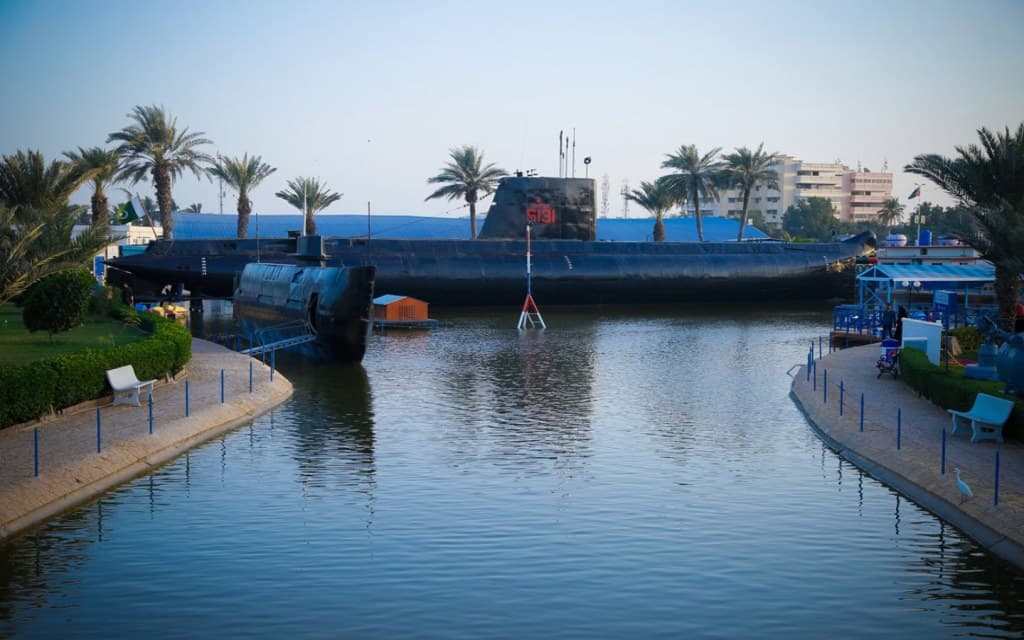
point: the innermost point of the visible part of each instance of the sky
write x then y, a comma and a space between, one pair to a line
370, 97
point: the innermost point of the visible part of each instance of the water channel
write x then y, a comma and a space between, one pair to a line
623, 474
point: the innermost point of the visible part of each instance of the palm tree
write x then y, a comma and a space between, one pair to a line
27, 182
657, 198
36, 221
242, 174
195, 207
988, 180
153, 146
745, 169
106, 163
890, 213
466, 177
309, 196
696, 177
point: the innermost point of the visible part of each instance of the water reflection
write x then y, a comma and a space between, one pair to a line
622, 474
332, 414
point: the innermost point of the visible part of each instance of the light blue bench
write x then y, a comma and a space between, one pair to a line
986, 417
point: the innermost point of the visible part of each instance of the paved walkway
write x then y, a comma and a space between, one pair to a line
915, 469
70, 469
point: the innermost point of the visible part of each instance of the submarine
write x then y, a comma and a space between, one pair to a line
569, 265
324, 313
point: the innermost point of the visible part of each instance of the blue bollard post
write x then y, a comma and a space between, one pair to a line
995, 502
815, 385
862, 412
842, 391
97, 430
186, 398
899, 427
222, 386
272, 355
151, 413
819, 346
35, 452
250, 375
824, 387
943, 465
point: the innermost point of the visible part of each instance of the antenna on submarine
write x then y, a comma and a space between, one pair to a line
560, 153
530, 316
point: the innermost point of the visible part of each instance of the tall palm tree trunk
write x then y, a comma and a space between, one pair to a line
310, 224
659, 228
471, 199
743, 216
1006, 295
162, 180
696, 212
100, 212
244, 210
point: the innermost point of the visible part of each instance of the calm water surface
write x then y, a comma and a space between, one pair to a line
620, 475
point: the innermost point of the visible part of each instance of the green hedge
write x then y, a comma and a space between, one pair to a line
26, 392
30, 390
951, 390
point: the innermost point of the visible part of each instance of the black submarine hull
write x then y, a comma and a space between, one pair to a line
569, 266
333, 306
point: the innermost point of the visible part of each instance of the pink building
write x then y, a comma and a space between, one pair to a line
864, 194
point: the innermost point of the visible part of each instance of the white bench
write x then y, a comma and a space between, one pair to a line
126, 385
986, 417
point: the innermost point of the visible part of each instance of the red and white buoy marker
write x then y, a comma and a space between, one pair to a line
530, 316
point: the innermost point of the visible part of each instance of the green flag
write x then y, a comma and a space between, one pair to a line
130, 211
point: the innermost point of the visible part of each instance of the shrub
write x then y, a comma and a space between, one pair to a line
26, 392
58, 302
970, 338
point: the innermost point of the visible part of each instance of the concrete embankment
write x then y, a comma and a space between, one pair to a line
901, 445
71, 471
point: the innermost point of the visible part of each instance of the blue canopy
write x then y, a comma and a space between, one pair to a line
877, 283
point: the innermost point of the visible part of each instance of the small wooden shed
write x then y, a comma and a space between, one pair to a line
401, 311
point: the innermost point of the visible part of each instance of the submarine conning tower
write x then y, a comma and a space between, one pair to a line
557, 208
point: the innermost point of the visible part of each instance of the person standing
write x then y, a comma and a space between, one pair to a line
888, 320
899, 322
127, 295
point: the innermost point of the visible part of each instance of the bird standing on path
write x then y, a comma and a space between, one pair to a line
965, 491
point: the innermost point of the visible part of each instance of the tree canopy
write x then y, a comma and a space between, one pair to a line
153, 147
811, 219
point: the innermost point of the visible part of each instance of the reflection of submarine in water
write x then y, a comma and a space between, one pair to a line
569, 265
321, 312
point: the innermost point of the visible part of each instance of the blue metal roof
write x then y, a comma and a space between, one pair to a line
981, 272
388, 298
206, 225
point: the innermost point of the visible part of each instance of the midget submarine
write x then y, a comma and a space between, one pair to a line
569, 266
324, 313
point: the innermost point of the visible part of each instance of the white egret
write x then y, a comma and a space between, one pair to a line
965, 491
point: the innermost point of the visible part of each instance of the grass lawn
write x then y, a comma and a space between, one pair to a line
17, 345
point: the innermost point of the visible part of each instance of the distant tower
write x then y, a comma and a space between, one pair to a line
625, 201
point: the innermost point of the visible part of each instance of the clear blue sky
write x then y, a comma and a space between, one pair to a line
370, 96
